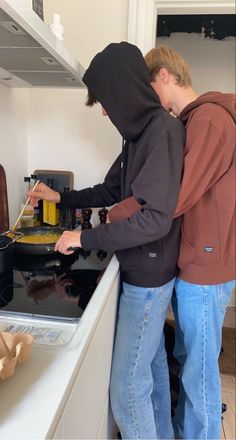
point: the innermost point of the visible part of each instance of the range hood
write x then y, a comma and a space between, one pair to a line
30, 54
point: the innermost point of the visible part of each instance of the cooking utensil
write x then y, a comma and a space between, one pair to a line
7, 242
22, 211
37, 248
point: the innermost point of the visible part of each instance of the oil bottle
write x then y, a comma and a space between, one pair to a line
50, 210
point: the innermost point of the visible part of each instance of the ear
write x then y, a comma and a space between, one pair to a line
164, 75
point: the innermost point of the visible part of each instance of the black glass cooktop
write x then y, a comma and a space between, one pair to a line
54, 287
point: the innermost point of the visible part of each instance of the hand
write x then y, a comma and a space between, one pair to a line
43, 192
67, 240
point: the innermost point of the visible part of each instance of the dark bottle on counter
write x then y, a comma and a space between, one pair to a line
103, 215
86, 224
86, 213
67, 215
101, 254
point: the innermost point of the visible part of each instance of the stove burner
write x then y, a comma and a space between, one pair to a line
50, 287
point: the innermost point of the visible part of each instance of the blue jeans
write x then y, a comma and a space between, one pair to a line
139, 388
199, 313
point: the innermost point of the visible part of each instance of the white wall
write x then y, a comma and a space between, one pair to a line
89, 25
212, 62
52, 128
64, 134
13, 143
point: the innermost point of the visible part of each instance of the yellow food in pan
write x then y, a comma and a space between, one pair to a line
39, 239
46, 238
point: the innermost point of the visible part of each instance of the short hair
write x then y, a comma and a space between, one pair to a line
91, 100
163, 56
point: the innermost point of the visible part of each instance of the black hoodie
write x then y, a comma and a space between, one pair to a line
149, 168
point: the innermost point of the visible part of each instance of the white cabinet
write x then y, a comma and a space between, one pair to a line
86, 414
63, 393
107, 427
59, 433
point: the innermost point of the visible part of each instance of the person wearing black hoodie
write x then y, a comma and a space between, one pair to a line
146, 245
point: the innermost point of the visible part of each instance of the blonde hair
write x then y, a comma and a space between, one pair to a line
163, 56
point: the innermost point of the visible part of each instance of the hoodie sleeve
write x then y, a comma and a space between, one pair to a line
207, 158
124, 209
157, 185
104, 194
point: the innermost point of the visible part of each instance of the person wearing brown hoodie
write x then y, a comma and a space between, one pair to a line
207, 248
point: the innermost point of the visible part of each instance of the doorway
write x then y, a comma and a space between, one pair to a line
207, 42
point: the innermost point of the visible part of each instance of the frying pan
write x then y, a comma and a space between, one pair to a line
34, 248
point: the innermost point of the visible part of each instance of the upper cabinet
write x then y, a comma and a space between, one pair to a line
30, 54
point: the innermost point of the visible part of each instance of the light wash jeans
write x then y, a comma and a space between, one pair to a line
199, 313
139, 388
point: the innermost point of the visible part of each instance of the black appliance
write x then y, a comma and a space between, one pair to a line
53, 287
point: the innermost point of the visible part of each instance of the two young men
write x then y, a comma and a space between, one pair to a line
207, 248
149, 169
146, 244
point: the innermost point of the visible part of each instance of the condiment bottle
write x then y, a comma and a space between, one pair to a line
67, 215
50, 210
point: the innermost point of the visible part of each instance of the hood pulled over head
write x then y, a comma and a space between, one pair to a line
118, 78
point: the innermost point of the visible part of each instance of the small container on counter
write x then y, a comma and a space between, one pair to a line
27, 219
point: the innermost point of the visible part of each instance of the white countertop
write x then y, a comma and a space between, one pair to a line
32, 399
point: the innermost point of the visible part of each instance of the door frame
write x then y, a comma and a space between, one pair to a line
142, 16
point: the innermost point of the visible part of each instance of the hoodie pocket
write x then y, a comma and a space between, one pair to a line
187, 252
129, 259
151, 257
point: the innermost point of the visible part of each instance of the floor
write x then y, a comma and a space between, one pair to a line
228, 397
227, 364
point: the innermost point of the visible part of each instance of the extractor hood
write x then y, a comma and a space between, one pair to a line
30, 54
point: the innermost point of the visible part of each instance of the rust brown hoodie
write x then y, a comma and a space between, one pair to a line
207, 195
